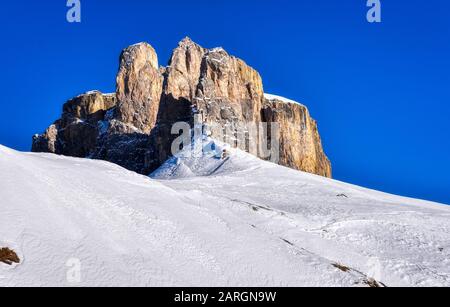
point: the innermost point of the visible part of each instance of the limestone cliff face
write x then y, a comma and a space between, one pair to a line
133, 127
139, 87
181, 79
300, 143
222, 89
183, 73
230, 93
48, 141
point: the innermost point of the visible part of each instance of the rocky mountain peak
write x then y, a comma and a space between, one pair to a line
186, 42
133, 127
139, 54
183, 72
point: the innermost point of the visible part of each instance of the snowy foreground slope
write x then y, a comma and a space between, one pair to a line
240, 222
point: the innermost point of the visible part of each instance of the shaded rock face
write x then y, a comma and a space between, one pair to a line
123, 145
132, 128
76, 133
181, 79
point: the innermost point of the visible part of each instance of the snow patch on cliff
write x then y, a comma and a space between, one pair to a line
279, 98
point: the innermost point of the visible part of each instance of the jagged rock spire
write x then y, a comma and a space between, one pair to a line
139, 86
183, 72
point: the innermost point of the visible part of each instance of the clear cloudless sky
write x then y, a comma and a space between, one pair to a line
380, 92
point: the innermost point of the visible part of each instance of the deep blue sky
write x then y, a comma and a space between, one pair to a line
380, 92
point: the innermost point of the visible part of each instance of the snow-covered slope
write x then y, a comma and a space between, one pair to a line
239, 222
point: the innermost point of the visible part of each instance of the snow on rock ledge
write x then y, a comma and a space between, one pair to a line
280, 98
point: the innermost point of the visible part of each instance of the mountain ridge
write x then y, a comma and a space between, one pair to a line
132, 128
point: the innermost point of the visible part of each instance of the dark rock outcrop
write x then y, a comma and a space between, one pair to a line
133, 127
8, 256
77, 132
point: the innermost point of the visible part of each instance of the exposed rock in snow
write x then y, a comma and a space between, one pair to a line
226, 92
8, 256
244, 223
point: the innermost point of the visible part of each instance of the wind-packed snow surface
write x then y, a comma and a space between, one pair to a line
208, 221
